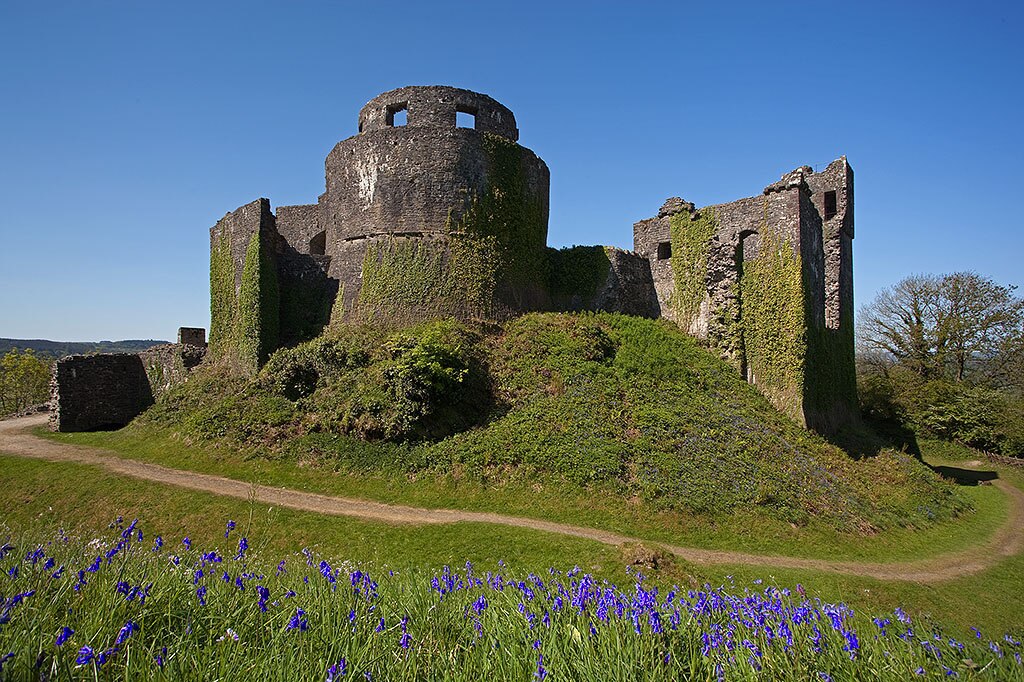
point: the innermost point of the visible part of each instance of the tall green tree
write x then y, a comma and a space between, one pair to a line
24, 381
943, 326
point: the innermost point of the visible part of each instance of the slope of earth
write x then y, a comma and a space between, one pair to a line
610, 405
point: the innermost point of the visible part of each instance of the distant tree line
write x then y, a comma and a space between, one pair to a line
24, 381
943, 355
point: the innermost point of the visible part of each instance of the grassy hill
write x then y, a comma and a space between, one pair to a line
616, 405
55, 350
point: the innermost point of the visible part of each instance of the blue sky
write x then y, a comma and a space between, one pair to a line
127, 129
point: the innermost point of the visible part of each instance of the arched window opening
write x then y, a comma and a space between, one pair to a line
318, 244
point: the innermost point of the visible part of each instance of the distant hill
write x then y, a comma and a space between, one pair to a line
57, 349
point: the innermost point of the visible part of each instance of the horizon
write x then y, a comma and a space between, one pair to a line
130, 130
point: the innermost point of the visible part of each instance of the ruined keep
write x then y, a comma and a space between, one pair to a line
768, 282
434, 210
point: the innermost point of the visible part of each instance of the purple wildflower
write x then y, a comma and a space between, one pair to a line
65, 635
298, 621
336, 671
85, 655
230, 527
159, 658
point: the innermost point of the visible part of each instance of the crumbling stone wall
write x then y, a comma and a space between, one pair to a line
108, 390
94, 392
423, 218
767, 281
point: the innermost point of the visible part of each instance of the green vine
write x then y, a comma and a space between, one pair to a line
258, 306
493, 259
576, 272
691, 235
774, 322
244, 326
223, 300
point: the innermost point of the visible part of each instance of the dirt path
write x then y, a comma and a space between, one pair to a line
16, 439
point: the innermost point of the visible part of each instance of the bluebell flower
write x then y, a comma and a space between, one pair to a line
85, 655
187, 543
404, 640
201, 595
126, 630
230, 527
280, 569
336, 671
65, 635
298, 621
159, 658
541, 671
158, 543
919, 671
50, 563
243, 545
6, 657
824, 677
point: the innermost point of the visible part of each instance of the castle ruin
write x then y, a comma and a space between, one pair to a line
433, 210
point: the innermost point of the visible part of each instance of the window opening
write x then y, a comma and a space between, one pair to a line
664, 250
398, 115
830, 205
465, 119
318, 244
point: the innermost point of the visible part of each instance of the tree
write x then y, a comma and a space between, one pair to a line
943, 327
24, 381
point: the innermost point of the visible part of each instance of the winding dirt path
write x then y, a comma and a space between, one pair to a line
1008, 540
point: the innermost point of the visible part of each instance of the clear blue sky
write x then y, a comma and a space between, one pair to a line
128, 128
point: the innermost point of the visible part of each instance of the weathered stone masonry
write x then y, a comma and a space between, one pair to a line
108, 390
423, 218
768, 282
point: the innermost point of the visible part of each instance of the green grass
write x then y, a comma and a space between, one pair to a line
33, 491
228, 635
612, 406
742, 530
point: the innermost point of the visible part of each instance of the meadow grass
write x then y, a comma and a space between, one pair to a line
128, 604
742, 529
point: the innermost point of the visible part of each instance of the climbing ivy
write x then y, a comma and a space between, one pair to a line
244, 326
223, 300
691, 235
258, 306
774, 322
577, 271
492, 261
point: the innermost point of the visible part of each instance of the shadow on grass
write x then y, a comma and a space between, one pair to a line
965, 476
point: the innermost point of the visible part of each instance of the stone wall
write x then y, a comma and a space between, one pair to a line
107, 391
768, 282
94, 392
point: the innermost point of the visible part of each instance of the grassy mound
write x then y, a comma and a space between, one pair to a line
603, 401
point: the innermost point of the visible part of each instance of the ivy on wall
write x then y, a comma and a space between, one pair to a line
576, 273
493, 261
691, 235
244, 327
222, 297
774, 322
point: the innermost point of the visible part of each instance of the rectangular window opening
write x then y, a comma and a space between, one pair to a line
398, 115
664, 250
830, 205
465, 119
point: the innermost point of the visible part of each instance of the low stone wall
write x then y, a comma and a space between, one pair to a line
94, 392
106, 391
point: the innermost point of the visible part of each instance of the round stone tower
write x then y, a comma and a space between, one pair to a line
433, 208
